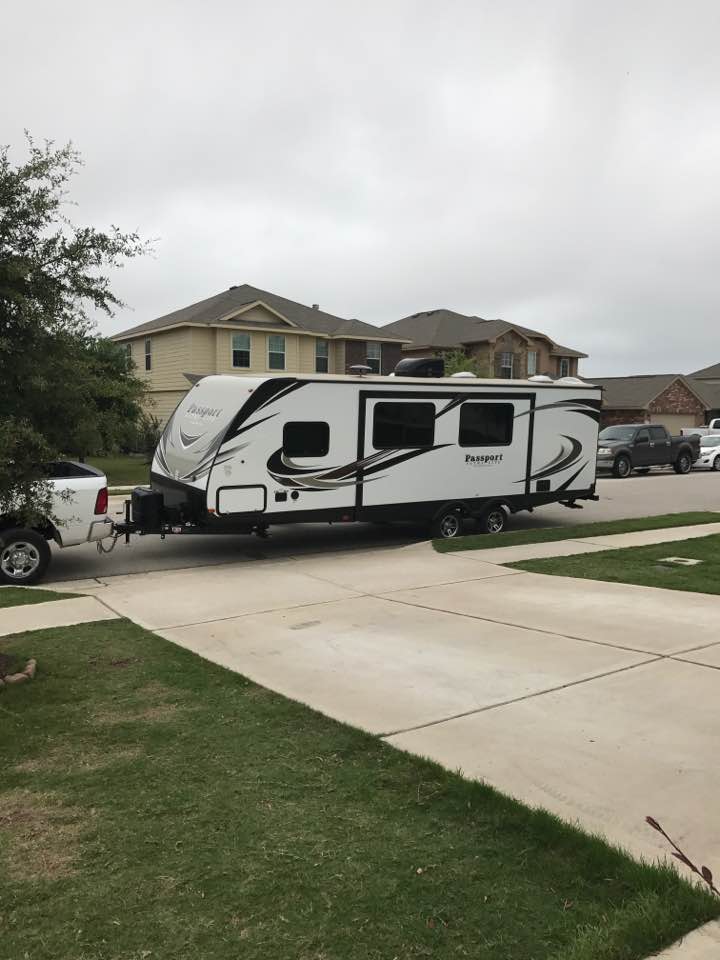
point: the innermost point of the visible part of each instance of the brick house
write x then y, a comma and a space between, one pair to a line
707, 383
501, 349
245, 330
674, 400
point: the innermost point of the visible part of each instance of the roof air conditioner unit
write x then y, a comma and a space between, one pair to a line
463, 375
541, 378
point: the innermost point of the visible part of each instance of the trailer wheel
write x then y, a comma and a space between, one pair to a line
448, 523
683, 464
493, 520
24, 556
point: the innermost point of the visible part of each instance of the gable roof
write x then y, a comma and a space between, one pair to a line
447, 330
223, 307
637, 393
707, 373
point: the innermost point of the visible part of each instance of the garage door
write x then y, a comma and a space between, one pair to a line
674, 421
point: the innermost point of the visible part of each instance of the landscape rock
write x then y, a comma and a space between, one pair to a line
17, 678
30, 669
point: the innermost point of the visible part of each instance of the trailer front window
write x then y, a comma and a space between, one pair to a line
402, 425
276, 352
486, 424
306, 438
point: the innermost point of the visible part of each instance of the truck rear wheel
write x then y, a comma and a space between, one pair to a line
683, 464
716, 464
24, 556
622, 467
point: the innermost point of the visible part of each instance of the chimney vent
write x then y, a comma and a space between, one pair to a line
316, 306
233, 287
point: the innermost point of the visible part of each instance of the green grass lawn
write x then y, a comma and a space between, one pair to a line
642, 565
19, 596
122, 470
153, 805
602, 529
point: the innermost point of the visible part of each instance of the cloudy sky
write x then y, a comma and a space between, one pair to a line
556, 164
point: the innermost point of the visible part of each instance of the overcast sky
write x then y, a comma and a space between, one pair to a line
556, 164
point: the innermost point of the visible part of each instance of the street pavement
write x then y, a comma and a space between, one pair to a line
660, 492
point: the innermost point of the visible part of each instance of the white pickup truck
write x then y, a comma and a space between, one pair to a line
80, 505
712, 428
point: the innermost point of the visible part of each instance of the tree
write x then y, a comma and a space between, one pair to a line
457, 361
62, 388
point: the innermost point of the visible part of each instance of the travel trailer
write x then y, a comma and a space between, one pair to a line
240, 454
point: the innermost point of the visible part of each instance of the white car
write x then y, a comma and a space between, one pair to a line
709, 458
80, 506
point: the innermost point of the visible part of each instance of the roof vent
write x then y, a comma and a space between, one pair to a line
541, 378
420, 367
316, 306
360, 369
573, 381
463, 375
233, 287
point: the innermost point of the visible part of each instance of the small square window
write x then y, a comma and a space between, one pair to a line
306, 438
321, 356
276, 352
486, 424
403, 425
241, 350
373, 352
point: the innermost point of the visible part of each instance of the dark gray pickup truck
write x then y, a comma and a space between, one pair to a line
640, 446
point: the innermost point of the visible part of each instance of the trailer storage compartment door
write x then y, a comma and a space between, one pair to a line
241, 499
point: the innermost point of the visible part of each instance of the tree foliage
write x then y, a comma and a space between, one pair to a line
63, 389
457, 361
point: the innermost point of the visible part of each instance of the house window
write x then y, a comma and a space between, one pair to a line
128, 351
532, 363
302, 438
564, 367
400, 425
241, 350
374, 356
486, 424
506, 366
321, 356
276, 352
148, 353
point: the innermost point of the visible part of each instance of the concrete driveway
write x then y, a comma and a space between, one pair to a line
595, 700
661, 492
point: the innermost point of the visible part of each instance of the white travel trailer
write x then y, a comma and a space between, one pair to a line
242, 453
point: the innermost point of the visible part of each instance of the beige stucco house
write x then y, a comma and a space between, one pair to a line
245, 330
501, 349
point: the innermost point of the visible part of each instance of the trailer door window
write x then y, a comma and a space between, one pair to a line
486, 424
400, 425
306, 438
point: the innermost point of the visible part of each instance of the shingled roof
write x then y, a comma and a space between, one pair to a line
222, 306
707, 373
637, 393
444, 329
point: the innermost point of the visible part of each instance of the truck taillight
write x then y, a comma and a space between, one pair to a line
101, 501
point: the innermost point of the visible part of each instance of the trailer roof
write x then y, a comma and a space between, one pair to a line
369, 379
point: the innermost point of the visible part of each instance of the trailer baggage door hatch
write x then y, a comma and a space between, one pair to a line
241, 499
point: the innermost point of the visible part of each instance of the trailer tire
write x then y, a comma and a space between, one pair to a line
24, 556
683, 464
448, 523
492, 520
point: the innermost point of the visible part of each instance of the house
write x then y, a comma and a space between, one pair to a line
707, 382
245, 330
501, 349
671, 399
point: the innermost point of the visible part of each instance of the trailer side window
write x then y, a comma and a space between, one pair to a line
486, 424
398, 425
306, 438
